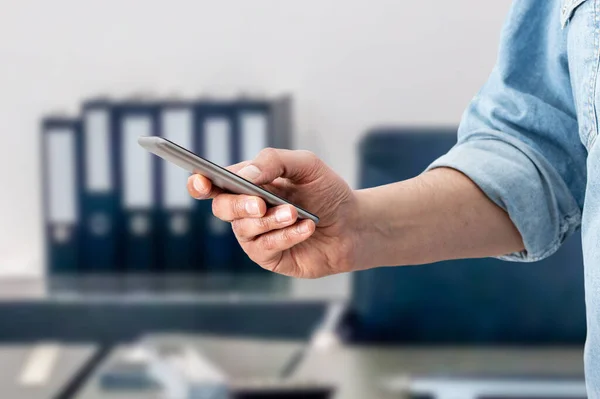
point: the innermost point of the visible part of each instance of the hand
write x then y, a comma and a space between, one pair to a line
275, 238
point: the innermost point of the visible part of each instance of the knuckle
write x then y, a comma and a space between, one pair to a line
269, 242
263, 224
314, 163
270, 158
238, 207
309, 155
240, 229
269, 153
286, 236
314, 160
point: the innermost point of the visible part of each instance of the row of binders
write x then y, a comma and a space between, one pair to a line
110, 206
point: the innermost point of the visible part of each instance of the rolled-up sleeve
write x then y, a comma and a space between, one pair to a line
518, 139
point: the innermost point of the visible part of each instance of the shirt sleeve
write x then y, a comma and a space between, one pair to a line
518, 139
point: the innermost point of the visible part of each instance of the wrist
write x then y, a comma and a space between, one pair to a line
390, 224
369, 231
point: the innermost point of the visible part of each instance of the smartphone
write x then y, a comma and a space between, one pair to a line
219, 176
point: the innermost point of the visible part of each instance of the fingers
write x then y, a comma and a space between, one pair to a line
268, 246
237, 167
272, 163
269, 165
200, 187
230, 207
276, 218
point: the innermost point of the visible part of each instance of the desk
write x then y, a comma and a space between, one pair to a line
70, 361
356, 371
115, 309
239, 358
359, 371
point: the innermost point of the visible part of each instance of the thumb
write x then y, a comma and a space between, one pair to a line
298, 166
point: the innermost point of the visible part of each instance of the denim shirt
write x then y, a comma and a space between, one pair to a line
528, 139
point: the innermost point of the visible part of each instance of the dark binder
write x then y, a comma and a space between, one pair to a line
61, 165
98, 195
178, 239
216, 139
139, 187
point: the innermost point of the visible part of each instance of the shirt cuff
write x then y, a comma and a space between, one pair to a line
523, 183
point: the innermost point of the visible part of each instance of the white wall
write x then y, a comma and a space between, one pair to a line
351, 64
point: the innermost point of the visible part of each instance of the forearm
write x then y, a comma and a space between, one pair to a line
438, 215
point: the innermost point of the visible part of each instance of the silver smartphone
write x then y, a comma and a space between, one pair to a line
218, 175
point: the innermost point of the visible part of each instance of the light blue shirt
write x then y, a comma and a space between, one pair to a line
528, 139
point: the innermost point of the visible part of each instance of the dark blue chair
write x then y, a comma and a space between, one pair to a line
475, 301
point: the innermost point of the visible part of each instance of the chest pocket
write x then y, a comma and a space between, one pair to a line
581, 27
568, 9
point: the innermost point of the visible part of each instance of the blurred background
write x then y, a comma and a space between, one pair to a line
114, 284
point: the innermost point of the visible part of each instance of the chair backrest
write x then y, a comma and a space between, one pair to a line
475, 301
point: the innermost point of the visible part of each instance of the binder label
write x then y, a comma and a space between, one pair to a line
137, 171
61, 234
61, 178
99, 224
97, 151
217, 141
139, 225
177, 126
179, 225
254, 134
217, 226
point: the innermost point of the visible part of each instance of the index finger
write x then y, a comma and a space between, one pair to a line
200, 187
238, 166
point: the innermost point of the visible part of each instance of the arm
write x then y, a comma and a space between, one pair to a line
513, 185
518, 144
439, 215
